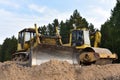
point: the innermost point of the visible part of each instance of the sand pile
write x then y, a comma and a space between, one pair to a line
59, 70
97, 72
53, 70
12, 71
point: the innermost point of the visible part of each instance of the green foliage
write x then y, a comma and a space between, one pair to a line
92, 33
0, 48
110, 31
8, 47
91, 27
68, 25
78, 20
49, 29
43, 30
64, 31
65, 27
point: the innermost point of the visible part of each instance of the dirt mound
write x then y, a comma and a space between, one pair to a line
54, 70
97, 72
12, 71
59, 70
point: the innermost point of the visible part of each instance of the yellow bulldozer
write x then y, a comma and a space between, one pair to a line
35, 48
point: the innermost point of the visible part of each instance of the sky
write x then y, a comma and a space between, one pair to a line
18, 14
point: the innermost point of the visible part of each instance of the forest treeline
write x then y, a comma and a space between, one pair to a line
110, 31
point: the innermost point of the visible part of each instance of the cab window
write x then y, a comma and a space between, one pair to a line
77, 38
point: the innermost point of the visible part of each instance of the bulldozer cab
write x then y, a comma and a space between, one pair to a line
25, 37
80, 38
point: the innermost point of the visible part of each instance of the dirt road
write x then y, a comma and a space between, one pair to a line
58, 70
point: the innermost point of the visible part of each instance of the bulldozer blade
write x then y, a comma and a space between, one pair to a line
43, 53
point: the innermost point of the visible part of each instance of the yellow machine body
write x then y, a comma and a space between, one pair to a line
34, 48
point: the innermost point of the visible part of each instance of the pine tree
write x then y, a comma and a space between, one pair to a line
42, 30
78, 20
65, 27
8, 47
68, 25
110, 31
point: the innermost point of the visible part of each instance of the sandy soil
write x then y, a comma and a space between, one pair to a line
59, 70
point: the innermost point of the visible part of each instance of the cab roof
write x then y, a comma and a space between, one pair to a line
27, 30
